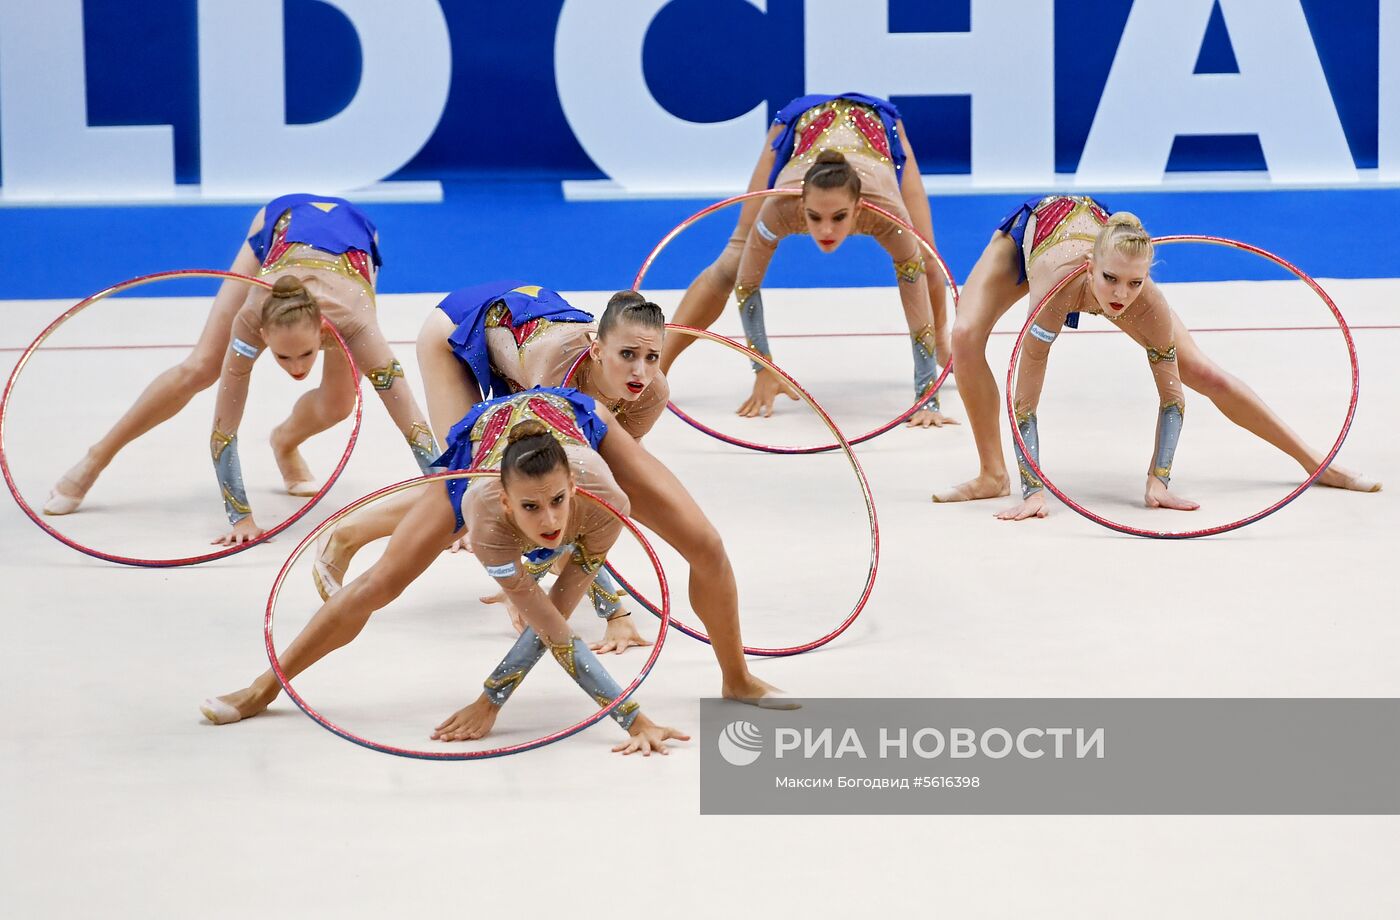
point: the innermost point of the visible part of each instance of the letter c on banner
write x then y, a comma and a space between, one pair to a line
246, 145
598, 67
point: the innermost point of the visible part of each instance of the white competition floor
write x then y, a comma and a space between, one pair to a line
117, 799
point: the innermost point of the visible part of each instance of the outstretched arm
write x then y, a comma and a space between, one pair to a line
1149, 320
911, 275
762, 242
1030, 379
774, 222
547, 618
223, 439
545, 614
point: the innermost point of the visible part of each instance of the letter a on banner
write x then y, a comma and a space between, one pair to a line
1152, 95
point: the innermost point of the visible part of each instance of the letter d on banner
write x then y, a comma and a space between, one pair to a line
246, 145
598, 67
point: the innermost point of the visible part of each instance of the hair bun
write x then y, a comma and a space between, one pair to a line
1124, 219
627, 298
288, 286
831, 170
526, 429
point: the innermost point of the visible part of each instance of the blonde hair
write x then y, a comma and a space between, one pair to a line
1123, 233
289, 303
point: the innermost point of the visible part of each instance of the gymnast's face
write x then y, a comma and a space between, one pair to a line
830, 214
539, 505
294, 346
1116, 279
628, 360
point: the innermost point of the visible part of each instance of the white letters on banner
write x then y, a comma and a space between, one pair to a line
47, 147
1005, 63
1152, 96
246, 145
598, 72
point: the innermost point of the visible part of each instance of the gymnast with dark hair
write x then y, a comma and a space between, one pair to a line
545, 443
839, 150
507, 335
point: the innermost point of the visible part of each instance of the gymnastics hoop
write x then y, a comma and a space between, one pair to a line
517, 748
1221, 528
819, 448
187, 560
841, 442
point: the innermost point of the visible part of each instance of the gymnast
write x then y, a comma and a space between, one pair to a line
321, 255
1033, 249
472, 335
508, 335
544, 442
838, 149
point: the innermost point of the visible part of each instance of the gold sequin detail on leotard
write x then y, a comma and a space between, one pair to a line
340, 265
842, 132
1061, 233
520, 411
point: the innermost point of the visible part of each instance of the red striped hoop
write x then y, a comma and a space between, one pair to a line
187, 560
841, 442
333, 728
1205, 531
789, 193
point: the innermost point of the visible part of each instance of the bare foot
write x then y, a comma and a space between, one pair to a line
235, 707
758, 693
70, 490
983, 486
1032, 507
1338, 477
296, 475
469, 723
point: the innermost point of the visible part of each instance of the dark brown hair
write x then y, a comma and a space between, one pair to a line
289, 303
531, 451
630, 307
831, 171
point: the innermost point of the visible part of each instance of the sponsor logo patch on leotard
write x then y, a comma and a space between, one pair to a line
501, 571
764, 232
243, 348
1045, 335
